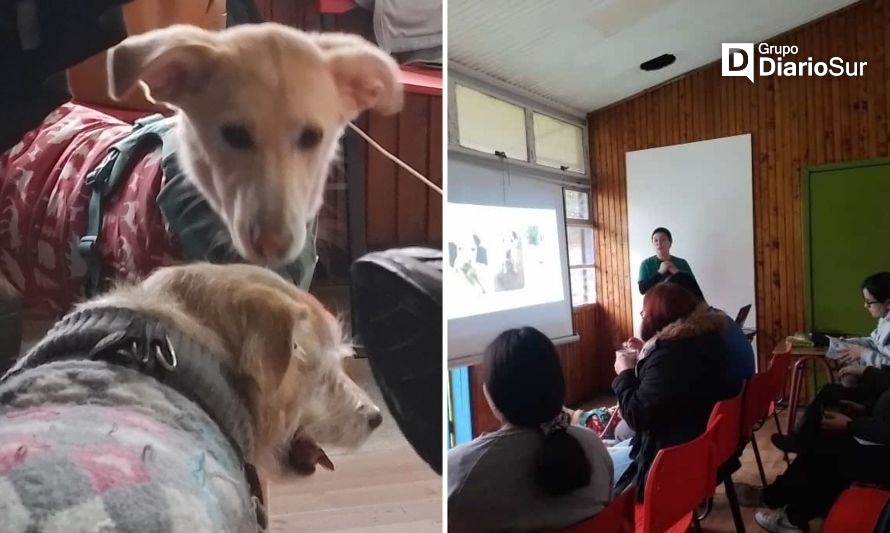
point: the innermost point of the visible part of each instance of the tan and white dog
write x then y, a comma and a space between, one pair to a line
261, 110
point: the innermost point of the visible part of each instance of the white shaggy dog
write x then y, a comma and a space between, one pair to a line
144, 409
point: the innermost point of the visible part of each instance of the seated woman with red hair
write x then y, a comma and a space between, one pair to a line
666, 396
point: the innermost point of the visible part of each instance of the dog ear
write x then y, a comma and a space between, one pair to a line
172, 62
366, 77
268, 347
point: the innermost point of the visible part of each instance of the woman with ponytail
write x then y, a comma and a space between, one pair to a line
537, 471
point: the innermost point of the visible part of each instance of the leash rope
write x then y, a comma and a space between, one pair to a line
395, 159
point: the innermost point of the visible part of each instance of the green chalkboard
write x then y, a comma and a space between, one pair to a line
847, 224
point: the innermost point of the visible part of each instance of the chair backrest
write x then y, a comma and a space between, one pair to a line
756, 399
726, 437
742, 316
617, 517
679, 479
857, 509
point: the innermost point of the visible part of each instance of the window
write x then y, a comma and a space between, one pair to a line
495, 126
488, 124
579, 234
558, 144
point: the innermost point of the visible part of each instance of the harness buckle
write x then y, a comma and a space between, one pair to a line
87, 246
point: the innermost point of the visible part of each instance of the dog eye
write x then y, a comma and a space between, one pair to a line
308, 138
237, 136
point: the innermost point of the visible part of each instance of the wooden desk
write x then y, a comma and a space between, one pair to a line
802, 355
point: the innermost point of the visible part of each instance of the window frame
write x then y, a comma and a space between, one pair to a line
581, 223
577, 180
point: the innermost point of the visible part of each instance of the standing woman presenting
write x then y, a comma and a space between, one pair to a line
655, 269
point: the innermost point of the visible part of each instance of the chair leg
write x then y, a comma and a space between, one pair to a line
709, 506
757, 458
733, 504
779, 429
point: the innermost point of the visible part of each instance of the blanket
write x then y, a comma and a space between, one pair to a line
88, 446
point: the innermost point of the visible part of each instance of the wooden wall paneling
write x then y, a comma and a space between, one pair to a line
862, 144
413, 150
380, 183
769, 298
619, 200
877, 104
784, 125
761, 212
882, 23
624, 268
434, 172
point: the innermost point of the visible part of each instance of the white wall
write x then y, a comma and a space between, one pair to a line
702, 193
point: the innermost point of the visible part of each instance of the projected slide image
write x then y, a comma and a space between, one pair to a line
501, 258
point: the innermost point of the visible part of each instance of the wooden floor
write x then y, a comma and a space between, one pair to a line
384, 486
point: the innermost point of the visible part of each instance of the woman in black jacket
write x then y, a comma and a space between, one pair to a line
682, 372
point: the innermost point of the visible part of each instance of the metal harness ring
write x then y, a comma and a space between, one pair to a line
166, 358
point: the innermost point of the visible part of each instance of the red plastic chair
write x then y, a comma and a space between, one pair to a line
756, 404
726, 421
779, 370
857, 510
679, 479
617, 517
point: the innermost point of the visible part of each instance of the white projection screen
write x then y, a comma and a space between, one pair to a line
506, 262
702, 193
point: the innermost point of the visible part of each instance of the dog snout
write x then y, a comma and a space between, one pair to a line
375, 419
269, 243
372, 413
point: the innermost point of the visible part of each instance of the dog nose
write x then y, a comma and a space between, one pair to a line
375, 419
268, 243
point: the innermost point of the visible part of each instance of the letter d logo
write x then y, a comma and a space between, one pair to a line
737, 59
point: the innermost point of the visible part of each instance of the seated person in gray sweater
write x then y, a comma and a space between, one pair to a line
537, 472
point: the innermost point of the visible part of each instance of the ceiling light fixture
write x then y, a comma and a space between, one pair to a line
658, 63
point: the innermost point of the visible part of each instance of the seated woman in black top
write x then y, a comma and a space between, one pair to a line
682, 372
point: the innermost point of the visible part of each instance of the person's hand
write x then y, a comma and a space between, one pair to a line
672, 268
634, 344
624, 362
575, 414
666, 266
835, 422
852, 408
851, 354
854, 371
